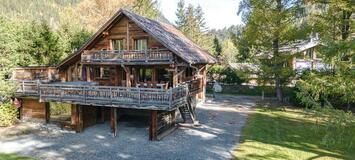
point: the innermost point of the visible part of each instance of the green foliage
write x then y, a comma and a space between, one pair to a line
224, 75
217, 48
147, 8
320, 89
8, 114
190, 20
60, 109
268, 25
339, 127
335, 86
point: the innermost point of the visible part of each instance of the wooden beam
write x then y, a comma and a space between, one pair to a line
175, 76
80, 125
74, 119
153, 125
47, 111
127, 36
114, 121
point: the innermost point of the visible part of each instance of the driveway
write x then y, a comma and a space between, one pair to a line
221, 121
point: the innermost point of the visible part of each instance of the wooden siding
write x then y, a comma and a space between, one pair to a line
33, 109
128, 31
34, 73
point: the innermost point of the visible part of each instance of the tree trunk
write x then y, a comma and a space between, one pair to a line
277, 63
278, 89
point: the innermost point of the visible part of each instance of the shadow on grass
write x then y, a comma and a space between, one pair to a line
287, 129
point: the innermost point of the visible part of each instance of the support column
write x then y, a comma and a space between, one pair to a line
79, 117
153, 125
114, 121
102, 116
47, 111
175, 76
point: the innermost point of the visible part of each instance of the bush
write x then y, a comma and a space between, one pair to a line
339, 127
8, 114
225, 75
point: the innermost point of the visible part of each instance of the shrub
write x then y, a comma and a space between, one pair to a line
225, 75
8, 114
339, 126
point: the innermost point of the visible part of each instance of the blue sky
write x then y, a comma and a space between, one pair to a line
218, 13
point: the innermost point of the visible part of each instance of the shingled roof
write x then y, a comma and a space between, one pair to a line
166, 34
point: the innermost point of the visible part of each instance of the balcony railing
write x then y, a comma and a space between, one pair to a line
128, 56
111, 96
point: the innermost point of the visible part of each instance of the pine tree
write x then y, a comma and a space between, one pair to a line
268, 25
147, 8
217, 48
191, 22
180, 14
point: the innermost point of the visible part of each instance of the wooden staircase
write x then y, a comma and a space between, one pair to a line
187, 111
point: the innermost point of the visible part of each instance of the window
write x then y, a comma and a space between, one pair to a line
162, 75
145, 74
188, 72
141, 44
117, 44
102, 72
105, 72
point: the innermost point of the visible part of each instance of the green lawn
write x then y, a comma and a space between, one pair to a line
287, 134
13, 157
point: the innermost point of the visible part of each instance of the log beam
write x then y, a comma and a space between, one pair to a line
153, 125
47, 111
114, 121
80, 122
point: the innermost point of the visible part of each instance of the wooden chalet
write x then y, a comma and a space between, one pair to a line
131, 63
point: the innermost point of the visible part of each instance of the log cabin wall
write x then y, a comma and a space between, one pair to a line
31, 108
35, 73
125, 30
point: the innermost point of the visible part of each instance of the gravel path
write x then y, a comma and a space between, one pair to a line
222, 120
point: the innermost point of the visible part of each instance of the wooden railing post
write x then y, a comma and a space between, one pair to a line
23, 87
111, 95
139, 97
170, 97
38, 86
61, 93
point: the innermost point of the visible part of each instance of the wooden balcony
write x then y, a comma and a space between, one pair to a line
110, 96
150, 56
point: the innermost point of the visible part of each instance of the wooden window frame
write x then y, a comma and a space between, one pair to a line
118, 39
135, 41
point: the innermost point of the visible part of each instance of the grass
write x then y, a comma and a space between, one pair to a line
287, 134
4, 156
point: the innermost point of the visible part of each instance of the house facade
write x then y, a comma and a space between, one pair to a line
131, 63
304, 55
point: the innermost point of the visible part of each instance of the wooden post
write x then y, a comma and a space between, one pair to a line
153, 125
128, 77
47, 111
127, 36
114, 121
74, 115
175, 76
80, 122
101, 114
